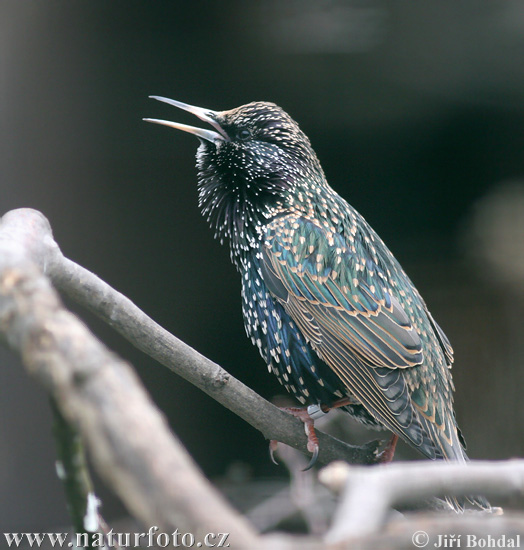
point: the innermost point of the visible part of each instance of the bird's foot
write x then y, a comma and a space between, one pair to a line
389, 451
307, 415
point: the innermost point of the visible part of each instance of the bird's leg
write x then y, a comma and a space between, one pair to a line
308, 415
389, 450
340, 403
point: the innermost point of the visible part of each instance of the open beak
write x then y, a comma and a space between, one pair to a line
203, 114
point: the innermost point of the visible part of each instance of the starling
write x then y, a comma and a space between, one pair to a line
331, 310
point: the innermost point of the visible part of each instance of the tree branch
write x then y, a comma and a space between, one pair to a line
368, 494
127, 436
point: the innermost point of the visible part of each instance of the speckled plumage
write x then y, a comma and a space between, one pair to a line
330, 309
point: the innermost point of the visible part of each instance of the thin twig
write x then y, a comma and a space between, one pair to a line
73, 472
305, 491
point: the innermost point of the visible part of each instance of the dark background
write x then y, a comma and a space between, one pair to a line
416, 111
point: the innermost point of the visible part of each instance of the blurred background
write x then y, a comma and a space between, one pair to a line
416, 111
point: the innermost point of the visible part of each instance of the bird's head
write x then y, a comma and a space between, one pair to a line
254, 162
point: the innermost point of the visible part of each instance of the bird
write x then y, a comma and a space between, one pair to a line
330, 309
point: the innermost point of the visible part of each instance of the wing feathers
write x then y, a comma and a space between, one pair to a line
342, 306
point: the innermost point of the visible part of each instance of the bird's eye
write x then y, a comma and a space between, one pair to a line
243, 134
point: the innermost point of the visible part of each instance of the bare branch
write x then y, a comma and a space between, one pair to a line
127, 436
305, 491
419, 530
368, 494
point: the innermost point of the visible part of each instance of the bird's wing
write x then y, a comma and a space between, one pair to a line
445, 344
342, 303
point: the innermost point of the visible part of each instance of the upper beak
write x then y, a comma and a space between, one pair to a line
203, 114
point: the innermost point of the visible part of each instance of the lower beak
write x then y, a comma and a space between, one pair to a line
203, 114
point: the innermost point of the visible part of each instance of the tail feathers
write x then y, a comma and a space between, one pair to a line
480, 502
459, 504
451, 446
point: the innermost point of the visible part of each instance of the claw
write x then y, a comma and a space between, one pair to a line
313, 460
389, 450
312, 440
273, 444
